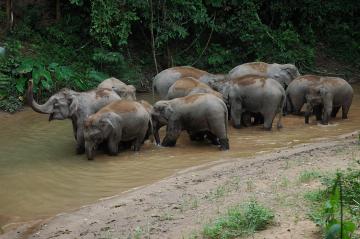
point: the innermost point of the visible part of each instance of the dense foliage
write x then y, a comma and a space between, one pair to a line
133, 39
337, 208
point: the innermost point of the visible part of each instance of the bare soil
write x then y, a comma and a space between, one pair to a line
179, 206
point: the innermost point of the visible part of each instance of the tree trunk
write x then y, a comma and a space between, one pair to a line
9, 14
58, 12
152, 36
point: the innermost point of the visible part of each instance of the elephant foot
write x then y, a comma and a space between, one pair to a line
113, 153
344, 117
266, 128
324, 123
80, 150
224, 144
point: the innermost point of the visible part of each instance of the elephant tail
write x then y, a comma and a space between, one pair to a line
151, 131
226, 118
153, 89
281, 110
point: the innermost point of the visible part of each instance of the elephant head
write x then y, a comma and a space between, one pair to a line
161, 113
61, 105
127, 92
97, 129
314, 98
286, 73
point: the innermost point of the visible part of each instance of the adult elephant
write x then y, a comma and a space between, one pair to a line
119, 121
187, 86
165, 79
69, 104
254, 94
320, 94
126, 92
283, 73
331, 91
198, 114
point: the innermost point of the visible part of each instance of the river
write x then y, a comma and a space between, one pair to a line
40, 174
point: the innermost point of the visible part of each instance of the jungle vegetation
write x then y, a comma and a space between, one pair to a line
77, 43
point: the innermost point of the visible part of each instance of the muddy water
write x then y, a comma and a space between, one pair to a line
40, 174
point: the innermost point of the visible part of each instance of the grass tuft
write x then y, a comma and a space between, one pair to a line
307, 176
239, 221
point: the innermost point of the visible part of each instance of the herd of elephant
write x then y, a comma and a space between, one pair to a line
196, 101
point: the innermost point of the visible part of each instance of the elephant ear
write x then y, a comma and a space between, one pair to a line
168, 111
106, 122
73, 105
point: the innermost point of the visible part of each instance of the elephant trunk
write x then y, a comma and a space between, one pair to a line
90, 150
43, 109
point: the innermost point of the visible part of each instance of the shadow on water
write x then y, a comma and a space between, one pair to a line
40, 174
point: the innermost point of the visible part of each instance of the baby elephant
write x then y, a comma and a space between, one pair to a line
120, 121
198, 114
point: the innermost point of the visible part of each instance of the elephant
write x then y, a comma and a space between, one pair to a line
165, 79
283, 73
126, 92
187, 86
119, 121
321, 95
199, 114
254, 94
69, 104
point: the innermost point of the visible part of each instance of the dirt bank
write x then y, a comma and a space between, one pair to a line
179, 206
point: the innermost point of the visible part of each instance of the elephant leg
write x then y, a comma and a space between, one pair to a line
268, 120
218, 130
139, 139
113, 147
334, 111
345, 110
318, 112
246, 119
213, 138
173, 131
74, 125
236, 113
224, 144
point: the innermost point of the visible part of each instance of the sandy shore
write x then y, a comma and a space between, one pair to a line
179, 206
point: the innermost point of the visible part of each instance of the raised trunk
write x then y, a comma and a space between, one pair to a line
43, 109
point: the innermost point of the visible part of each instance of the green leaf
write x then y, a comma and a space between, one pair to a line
349, 226
26, 66
333, 232
45, 84
21, 84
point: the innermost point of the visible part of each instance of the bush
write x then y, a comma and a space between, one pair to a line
239, 221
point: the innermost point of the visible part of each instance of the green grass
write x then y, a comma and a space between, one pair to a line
241, 220
307, 176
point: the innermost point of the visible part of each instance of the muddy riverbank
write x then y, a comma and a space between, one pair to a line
178, 206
